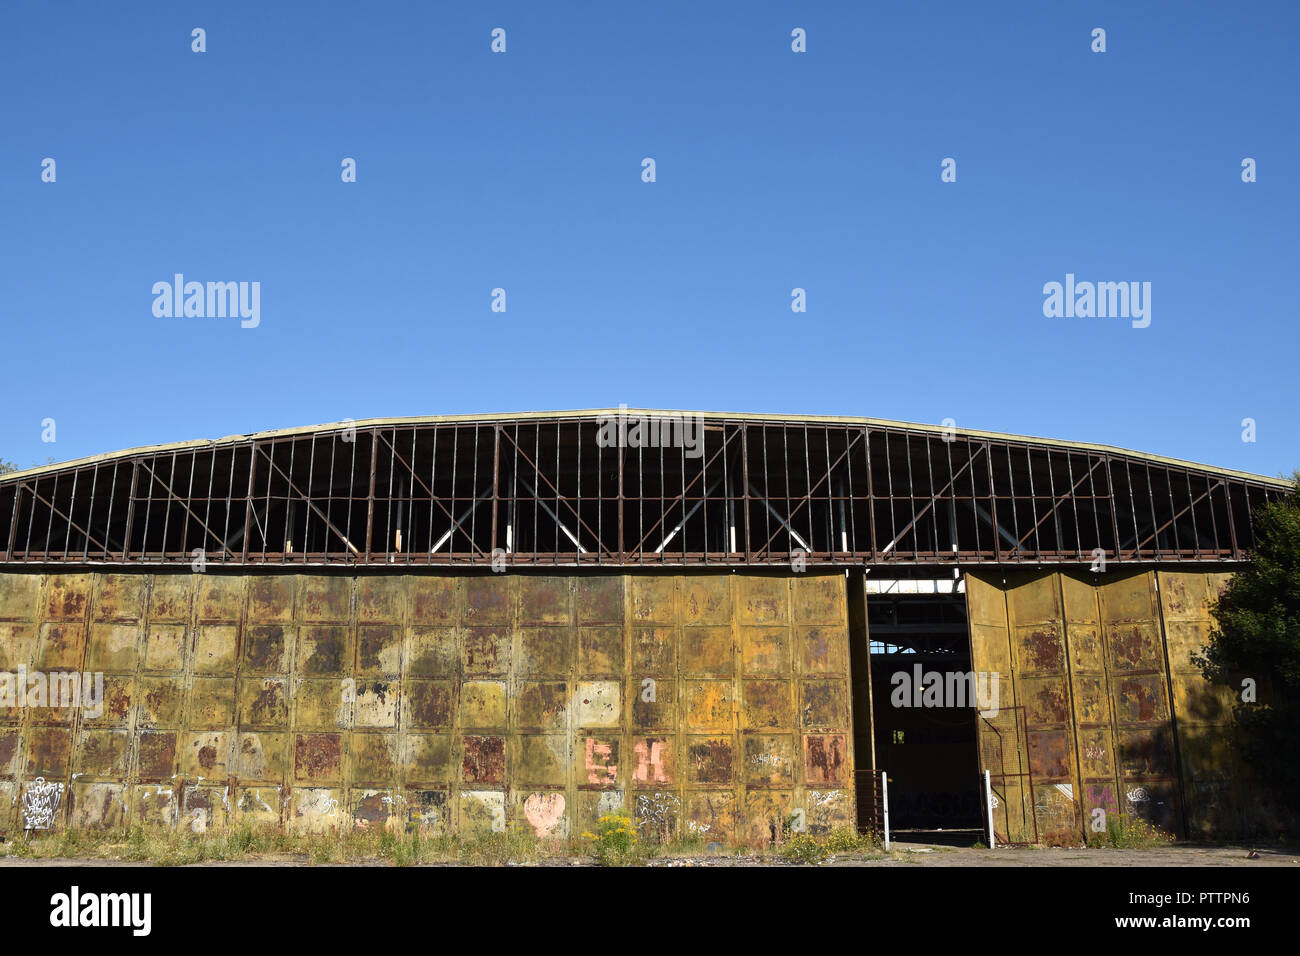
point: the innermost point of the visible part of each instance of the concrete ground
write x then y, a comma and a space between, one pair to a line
1184, 855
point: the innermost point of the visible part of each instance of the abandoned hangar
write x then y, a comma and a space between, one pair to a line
467, 621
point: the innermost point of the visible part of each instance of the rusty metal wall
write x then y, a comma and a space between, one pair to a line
440, 701
1093, 658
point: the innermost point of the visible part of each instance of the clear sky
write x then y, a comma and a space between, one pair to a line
775, 170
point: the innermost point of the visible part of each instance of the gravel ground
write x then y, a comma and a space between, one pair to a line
904, 854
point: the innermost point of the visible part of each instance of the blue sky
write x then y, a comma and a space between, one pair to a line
775, 170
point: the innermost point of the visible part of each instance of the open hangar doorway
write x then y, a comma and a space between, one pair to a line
917, 629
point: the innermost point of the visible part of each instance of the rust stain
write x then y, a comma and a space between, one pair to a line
826, 757
484, 761
318, 755
711, 761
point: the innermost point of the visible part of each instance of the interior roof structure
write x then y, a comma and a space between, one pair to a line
623, 487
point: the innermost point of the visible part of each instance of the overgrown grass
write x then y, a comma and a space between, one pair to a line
620, 846
808, 849
1127, 832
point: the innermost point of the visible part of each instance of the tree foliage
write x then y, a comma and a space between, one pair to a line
1257, 637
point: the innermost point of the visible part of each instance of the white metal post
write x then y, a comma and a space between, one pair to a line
884, 799
988, 802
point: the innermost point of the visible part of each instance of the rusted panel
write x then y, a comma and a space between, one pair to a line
428, 811
220, 597
707, 652
325, 599
544, 652
1218, 785
600, 600
157, 755
427, 758
17, 646
374, 759
597, 762
166, 647
271, 598
216, 649
654, 704
261, 757
434, 600
67, 597
765, 650
710, 760
762, 600
768, 704
540, 760
121, 597
483, 705
547, 600
541, 705
769, 760
1144, 734
485, 651
600, 651
316, 809
19, 596
97, 806
205, 755
654, 761
381, 600
481, 810
824, 650
1003, 749
171, 598
379, 651
706, 600
489, 600
484, 760
657, 814
318, 757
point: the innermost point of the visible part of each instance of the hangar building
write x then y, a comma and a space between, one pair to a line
464, 621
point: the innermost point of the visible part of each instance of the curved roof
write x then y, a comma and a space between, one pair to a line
624, 487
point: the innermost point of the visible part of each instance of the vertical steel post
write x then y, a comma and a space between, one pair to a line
988, 803
884, 801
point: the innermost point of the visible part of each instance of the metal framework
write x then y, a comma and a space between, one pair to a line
552, 489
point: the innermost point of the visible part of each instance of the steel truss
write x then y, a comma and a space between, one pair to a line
547, 490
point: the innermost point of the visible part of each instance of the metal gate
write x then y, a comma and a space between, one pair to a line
1015, 813
872, 788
